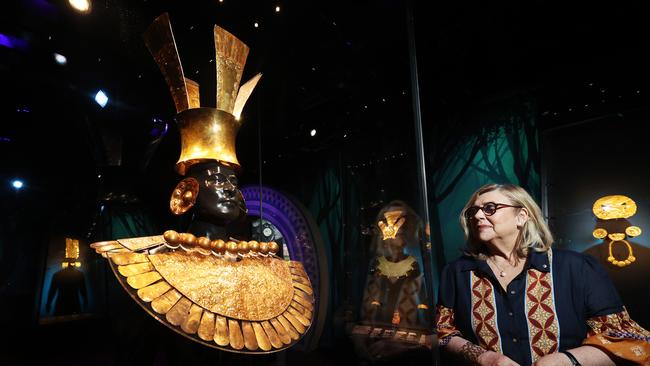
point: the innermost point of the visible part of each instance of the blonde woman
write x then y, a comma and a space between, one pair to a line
512, 300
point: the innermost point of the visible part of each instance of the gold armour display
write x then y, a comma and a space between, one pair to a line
236, 296
612, 211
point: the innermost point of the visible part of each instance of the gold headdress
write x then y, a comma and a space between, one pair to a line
394, 221
206, 133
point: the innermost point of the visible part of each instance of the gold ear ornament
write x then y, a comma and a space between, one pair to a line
184, 196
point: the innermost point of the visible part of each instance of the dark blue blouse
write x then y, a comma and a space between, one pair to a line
543, 310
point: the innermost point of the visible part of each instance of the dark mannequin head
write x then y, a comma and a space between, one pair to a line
219, 201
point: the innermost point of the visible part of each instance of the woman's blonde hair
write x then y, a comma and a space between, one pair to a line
534, 233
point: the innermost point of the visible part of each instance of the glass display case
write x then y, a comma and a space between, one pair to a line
280, 183
311, 173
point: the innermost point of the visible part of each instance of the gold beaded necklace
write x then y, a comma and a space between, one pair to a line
626, 262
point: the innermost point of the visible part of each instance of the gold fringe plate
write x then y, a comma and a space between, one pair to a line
255, 305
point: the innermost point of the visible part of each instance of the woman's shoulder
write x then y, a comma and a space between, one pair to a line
573, 258
464, 262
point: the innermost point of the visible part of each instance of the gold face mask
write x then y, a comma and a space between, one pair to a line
394, 221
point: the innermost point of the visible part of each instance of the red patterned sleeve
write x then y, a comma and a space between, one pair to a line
445, 325
619, 336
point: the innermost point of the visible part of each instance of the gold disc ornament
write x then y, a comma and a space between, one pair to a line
184, 196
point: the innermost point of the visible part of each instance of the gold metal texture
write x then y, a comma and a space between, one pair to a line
231, 56
244, 93
633, 231
193, 95
394, 221
262, 339
206, 328
159, 39
141, 243
206, 134
143, 279
250, 342
599, 233
249, 289
236, 337
134, 269
184, 196
128, 258
152, 292
614, 207
191, 320
395, 269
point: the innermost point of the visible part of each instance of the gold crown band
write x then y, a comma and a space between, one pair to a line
206, 133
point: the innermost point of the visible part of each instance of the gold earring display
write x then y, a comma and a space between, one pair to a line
184, 196
633, 231
630, 257
599, 233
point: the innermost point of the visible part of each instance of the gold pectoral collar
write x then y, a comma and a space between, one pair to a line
226, 288
395, 269
255, 305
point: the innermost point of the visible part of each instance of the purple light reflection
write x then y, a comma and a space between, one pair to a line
12, 42
5, 41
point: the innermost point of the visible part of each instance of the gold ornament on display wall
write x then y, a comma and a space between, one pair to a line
71, 253
612, 213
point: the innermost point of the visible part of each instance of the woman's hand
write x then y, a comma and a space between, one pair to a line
491, 358
554, 359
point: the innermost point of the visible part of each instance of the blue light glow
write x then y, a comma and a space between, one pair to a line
101, 98
60, 59
18, 184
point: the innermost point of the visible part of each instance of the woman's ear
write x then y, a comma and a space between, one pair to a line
522, 217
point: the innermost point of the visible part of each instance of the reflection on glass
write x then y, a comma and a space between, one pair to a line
67, 293
395, 293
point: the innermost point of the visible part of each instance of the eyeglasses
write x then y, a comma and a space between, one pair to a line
488, 209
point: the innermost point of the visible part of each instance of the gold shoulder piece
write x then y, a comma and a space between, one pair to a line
143, 279
255, 305
134, 269
123, 259
142, 243
151, 292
